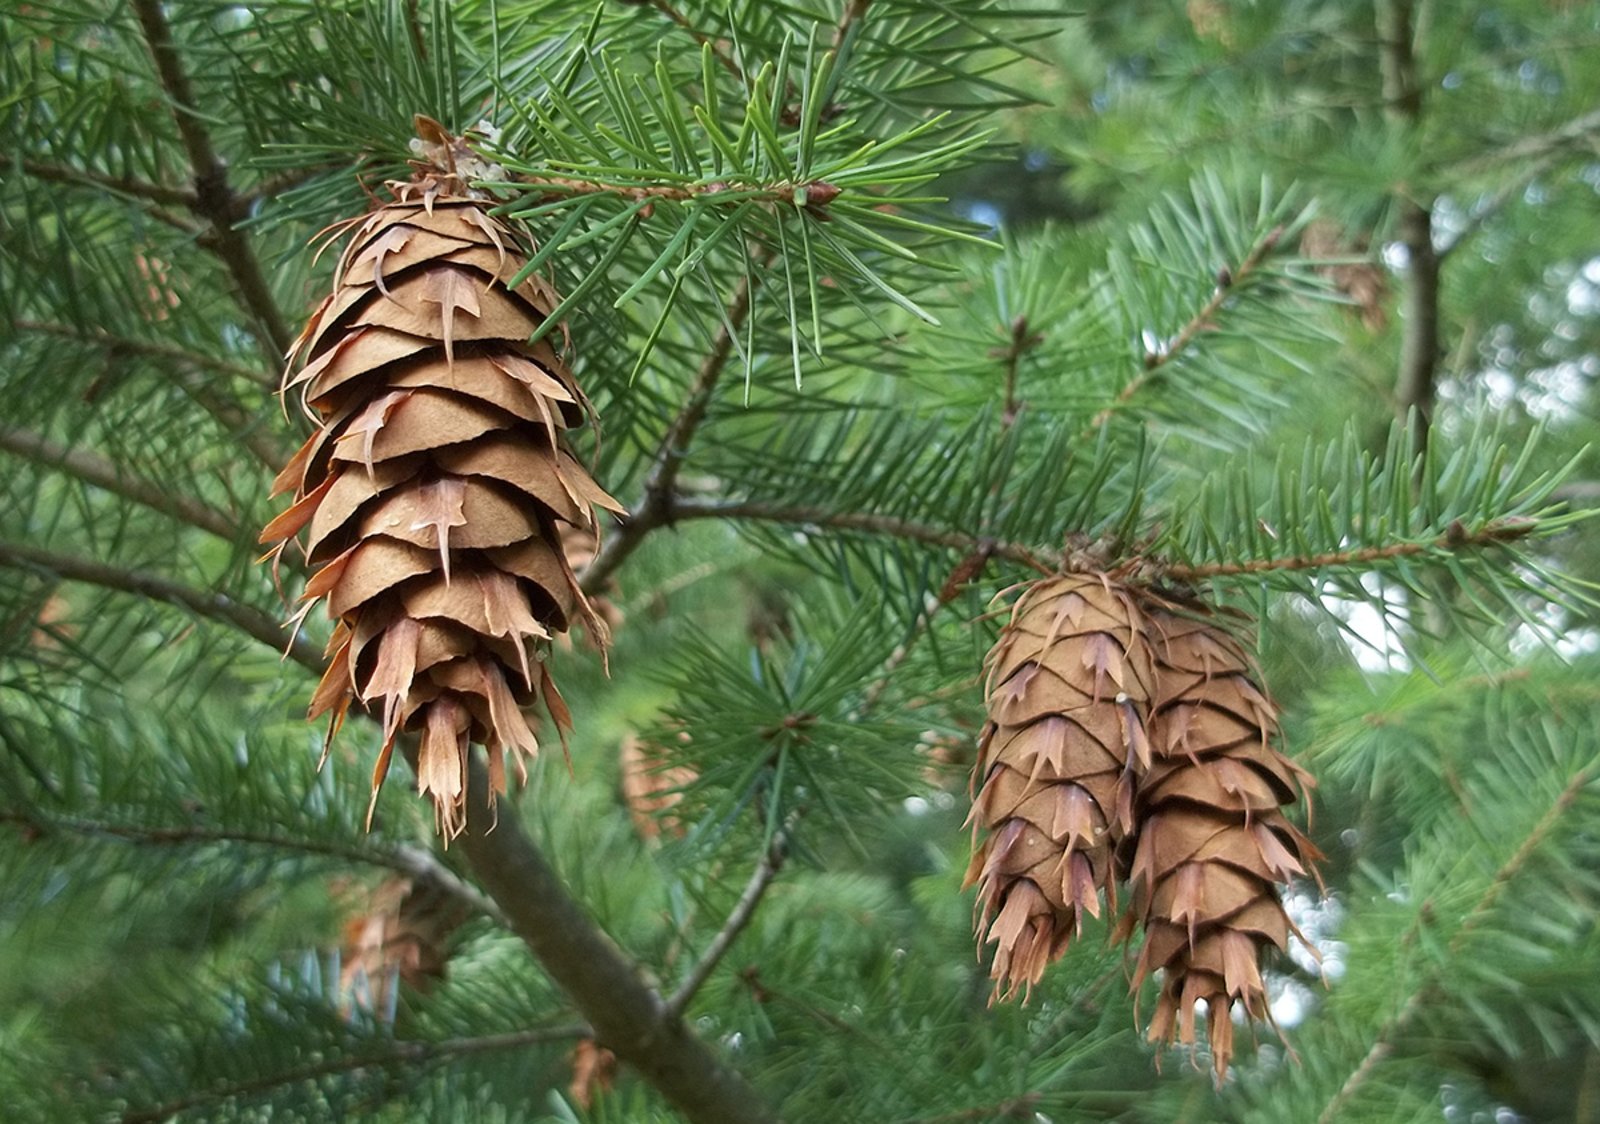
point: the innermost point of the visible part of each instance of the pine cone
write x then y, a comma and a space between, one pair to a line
594, 1071
1213, 845
1068, 691
400, 934
651, 787
435, 486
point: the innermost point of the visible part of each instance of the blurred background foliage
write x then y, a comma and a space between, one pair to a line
1170, 305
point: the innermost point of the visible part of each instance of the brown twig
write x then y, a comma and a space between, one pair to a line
866, 522
210, 604
411, 861
1580, 130
813, 193
1228, 281
160, 193
1419, 344
118, 346
419, 41
655, 508
740, 916
854, 12
719, 48
1019, 342
410, 1053
156, 197
92, 468
628, 1016
214, 200
1456, 538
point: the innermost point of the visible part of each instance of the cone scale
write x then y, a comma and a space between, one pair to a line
432, 496
1068, 691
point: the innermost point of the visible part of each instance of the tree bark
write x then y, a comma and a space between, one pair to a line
629, 1017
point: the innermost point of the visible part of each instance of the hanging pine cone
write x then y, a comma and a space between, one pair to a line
435, 486
1213, 845
1068, 691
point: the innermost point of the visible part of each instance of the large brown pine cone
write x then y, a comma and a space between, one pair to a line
1068, 688
433, 491
1213, 845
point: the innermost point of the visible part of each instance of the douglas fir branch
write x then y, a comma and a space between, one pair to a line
435, 488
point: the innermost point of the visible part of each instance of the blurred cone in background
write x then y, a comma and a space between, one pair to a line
651, 788
400, 936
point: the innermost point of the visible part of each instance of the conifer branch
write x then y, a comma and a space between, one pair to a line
866, 522
1580, 130
816, 193
902, 651
719, 49
419, 41
246, 202
119, 346
854, 12
1457, 537
743, 912
150, 194
629, 1017
965, 571
214, 200
231, 416
1021, 341
656, 507
424, 866
410, 1053
185, 371
413, 862
1228, 281
121, 185
1012, 1108
92, 468
1383, 1042
1483, 212
1419, 342
210, 604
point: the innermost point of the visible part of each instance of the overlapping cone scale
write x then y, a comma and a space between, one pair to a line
433, 494
1068, 690
1213, 845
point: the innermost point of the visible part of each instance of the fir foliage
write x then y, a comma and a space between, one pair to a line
845, 415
